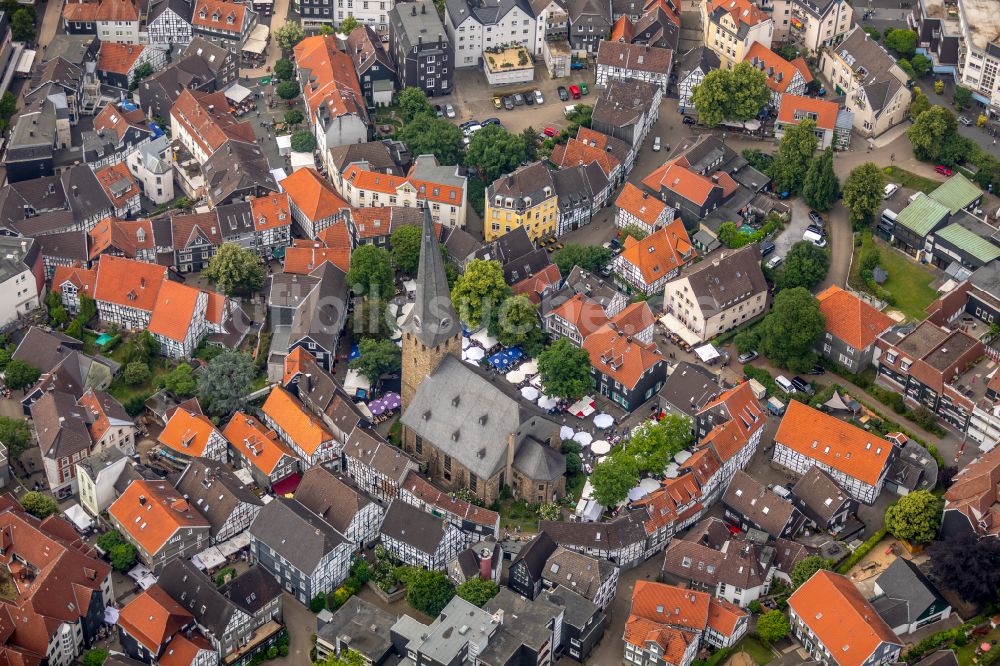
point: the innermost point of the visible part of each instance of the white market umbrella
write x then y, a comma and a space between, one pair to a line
603, 421
566, 432
637, 493
475, 353
600, 448
649, 485
681, 457
515, 376
530, 367
465, 343
529, 392
584, 438
545, 402
671, 471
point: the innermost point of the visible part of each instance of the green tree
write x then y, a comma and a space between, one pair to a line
588, 257
288, 35
962, 97
413, 102
565, 370
378, 357
517, 323
317, 603
613, 477
795, 152
919, 104
821, 187
284, 69
653, 443
22, 24
633, 230
921, 64
140, 349
293, 117
303, 142
136, 373
428, 591
493, 152
968, 565
371, 272
788, 52
477, 591
789, 333
348, 25
122, 556
141, 72
95, 657
427, 135
371, 319
181, 382
930, 130
288, 90
903, 42
224, 382
346, 658
19, 375
915, 517
804, 266
16, 435
531, 142
59, 316
772, 626
38, 504
806, 567
326, 30
109, 540
736, 94
479, 292
405, 243
235, 270
863, 191
549, 511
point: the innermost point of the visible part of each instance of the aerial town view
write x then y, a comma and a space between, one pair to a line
499, 332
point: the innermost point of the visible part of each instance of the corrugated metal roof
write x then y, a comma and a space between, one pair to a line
979, 247
921, 215
956, 193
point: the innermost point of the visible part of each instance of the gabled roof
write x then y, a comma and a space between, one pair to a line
219, 15
744, 13
152, 512
584, 314
296, 534
440, 501
758, 504
832, 442
270, 211
206, 116
329, 497
313, 195
332, 88
194, 590
640, 204
410, 525
660, 253
215, 491
119, 58
300, 426
795, 108
842, 620
133, 284
153, 617
619, 356
188, 432
256, 442
851, 319
780, 72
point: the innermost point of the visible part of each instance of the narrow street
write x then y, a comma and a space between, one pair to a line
841, 242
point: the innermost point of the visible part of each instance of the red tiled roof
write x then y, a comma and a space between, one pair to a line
851, 319
118, 184
300, 426
153, 511
640, 204
83, 278
294, 363
256, 442
313, 195
578, 151
843, 620
129, 283
838, 444
270, 211
118, 58
659, 253
336, 81
532, 287
219, 15
677, 178
175, 309
796, 107
586, 315
615, 355
188, 433
125, 236
780, 72
303, 258
740, 11
206, 116
153, 617
114, 120
670, 605
183, 651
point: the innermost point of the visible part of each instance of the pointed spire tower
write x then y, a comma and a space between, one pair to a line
432, 329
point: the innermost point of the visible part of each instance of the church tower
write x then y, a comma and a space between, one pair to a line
431, 330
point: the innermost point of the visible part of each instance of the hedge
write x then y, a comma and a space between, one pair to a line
861, 551
942, 638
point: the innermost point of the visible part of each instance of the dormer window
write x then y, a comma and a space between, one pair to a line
230, 19
202, 14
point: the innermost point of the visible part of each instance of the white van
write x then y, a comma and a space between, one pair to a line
784, 383
890, 189
814, 238
568, 111
889, 217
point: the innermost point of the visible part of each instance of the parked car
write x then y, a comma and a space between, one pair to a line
529, 99
784, 384
774, 262
965, 121
518, 99
890, 189
549, 131
538, 97
766, 248
472, 129
816, 230
508, 103
817, 370
656, 144
492, 121
497, 103
816, 218
583, 88
802, 385
688, 120
438, 110
563, 93
467, 124
575, 91
943, 170
746, 358
819, 240
449, 111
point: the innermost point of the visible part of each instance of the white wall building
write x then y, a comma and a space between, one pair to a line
473, 27
152, 167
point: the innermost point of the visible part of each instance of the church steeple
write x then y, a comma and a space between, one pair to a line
432, 330
432, 319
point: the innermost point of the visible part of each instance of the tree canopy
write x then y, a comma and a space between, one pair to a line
864, 190
371, 272
427, 135
804, 266
654, 444
493, 152
479, 292
303, 141
19, 375
902, 41
288, 90
565, 370
821, 187
413, 102
806, 567
477, 591
39, 504
968, 565
590, 258
284, 69
736, 94
288, 35
405, 243
225, 381
428, 591
517, 323
788, 334
181, 382
613, 477
915, 517
235, 270
795, 152
930, 131
772, 626
377, 358
919, 104
15, 435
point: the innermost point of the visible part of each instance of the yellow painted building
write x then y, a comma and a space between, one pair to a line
732, 27
524, 198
